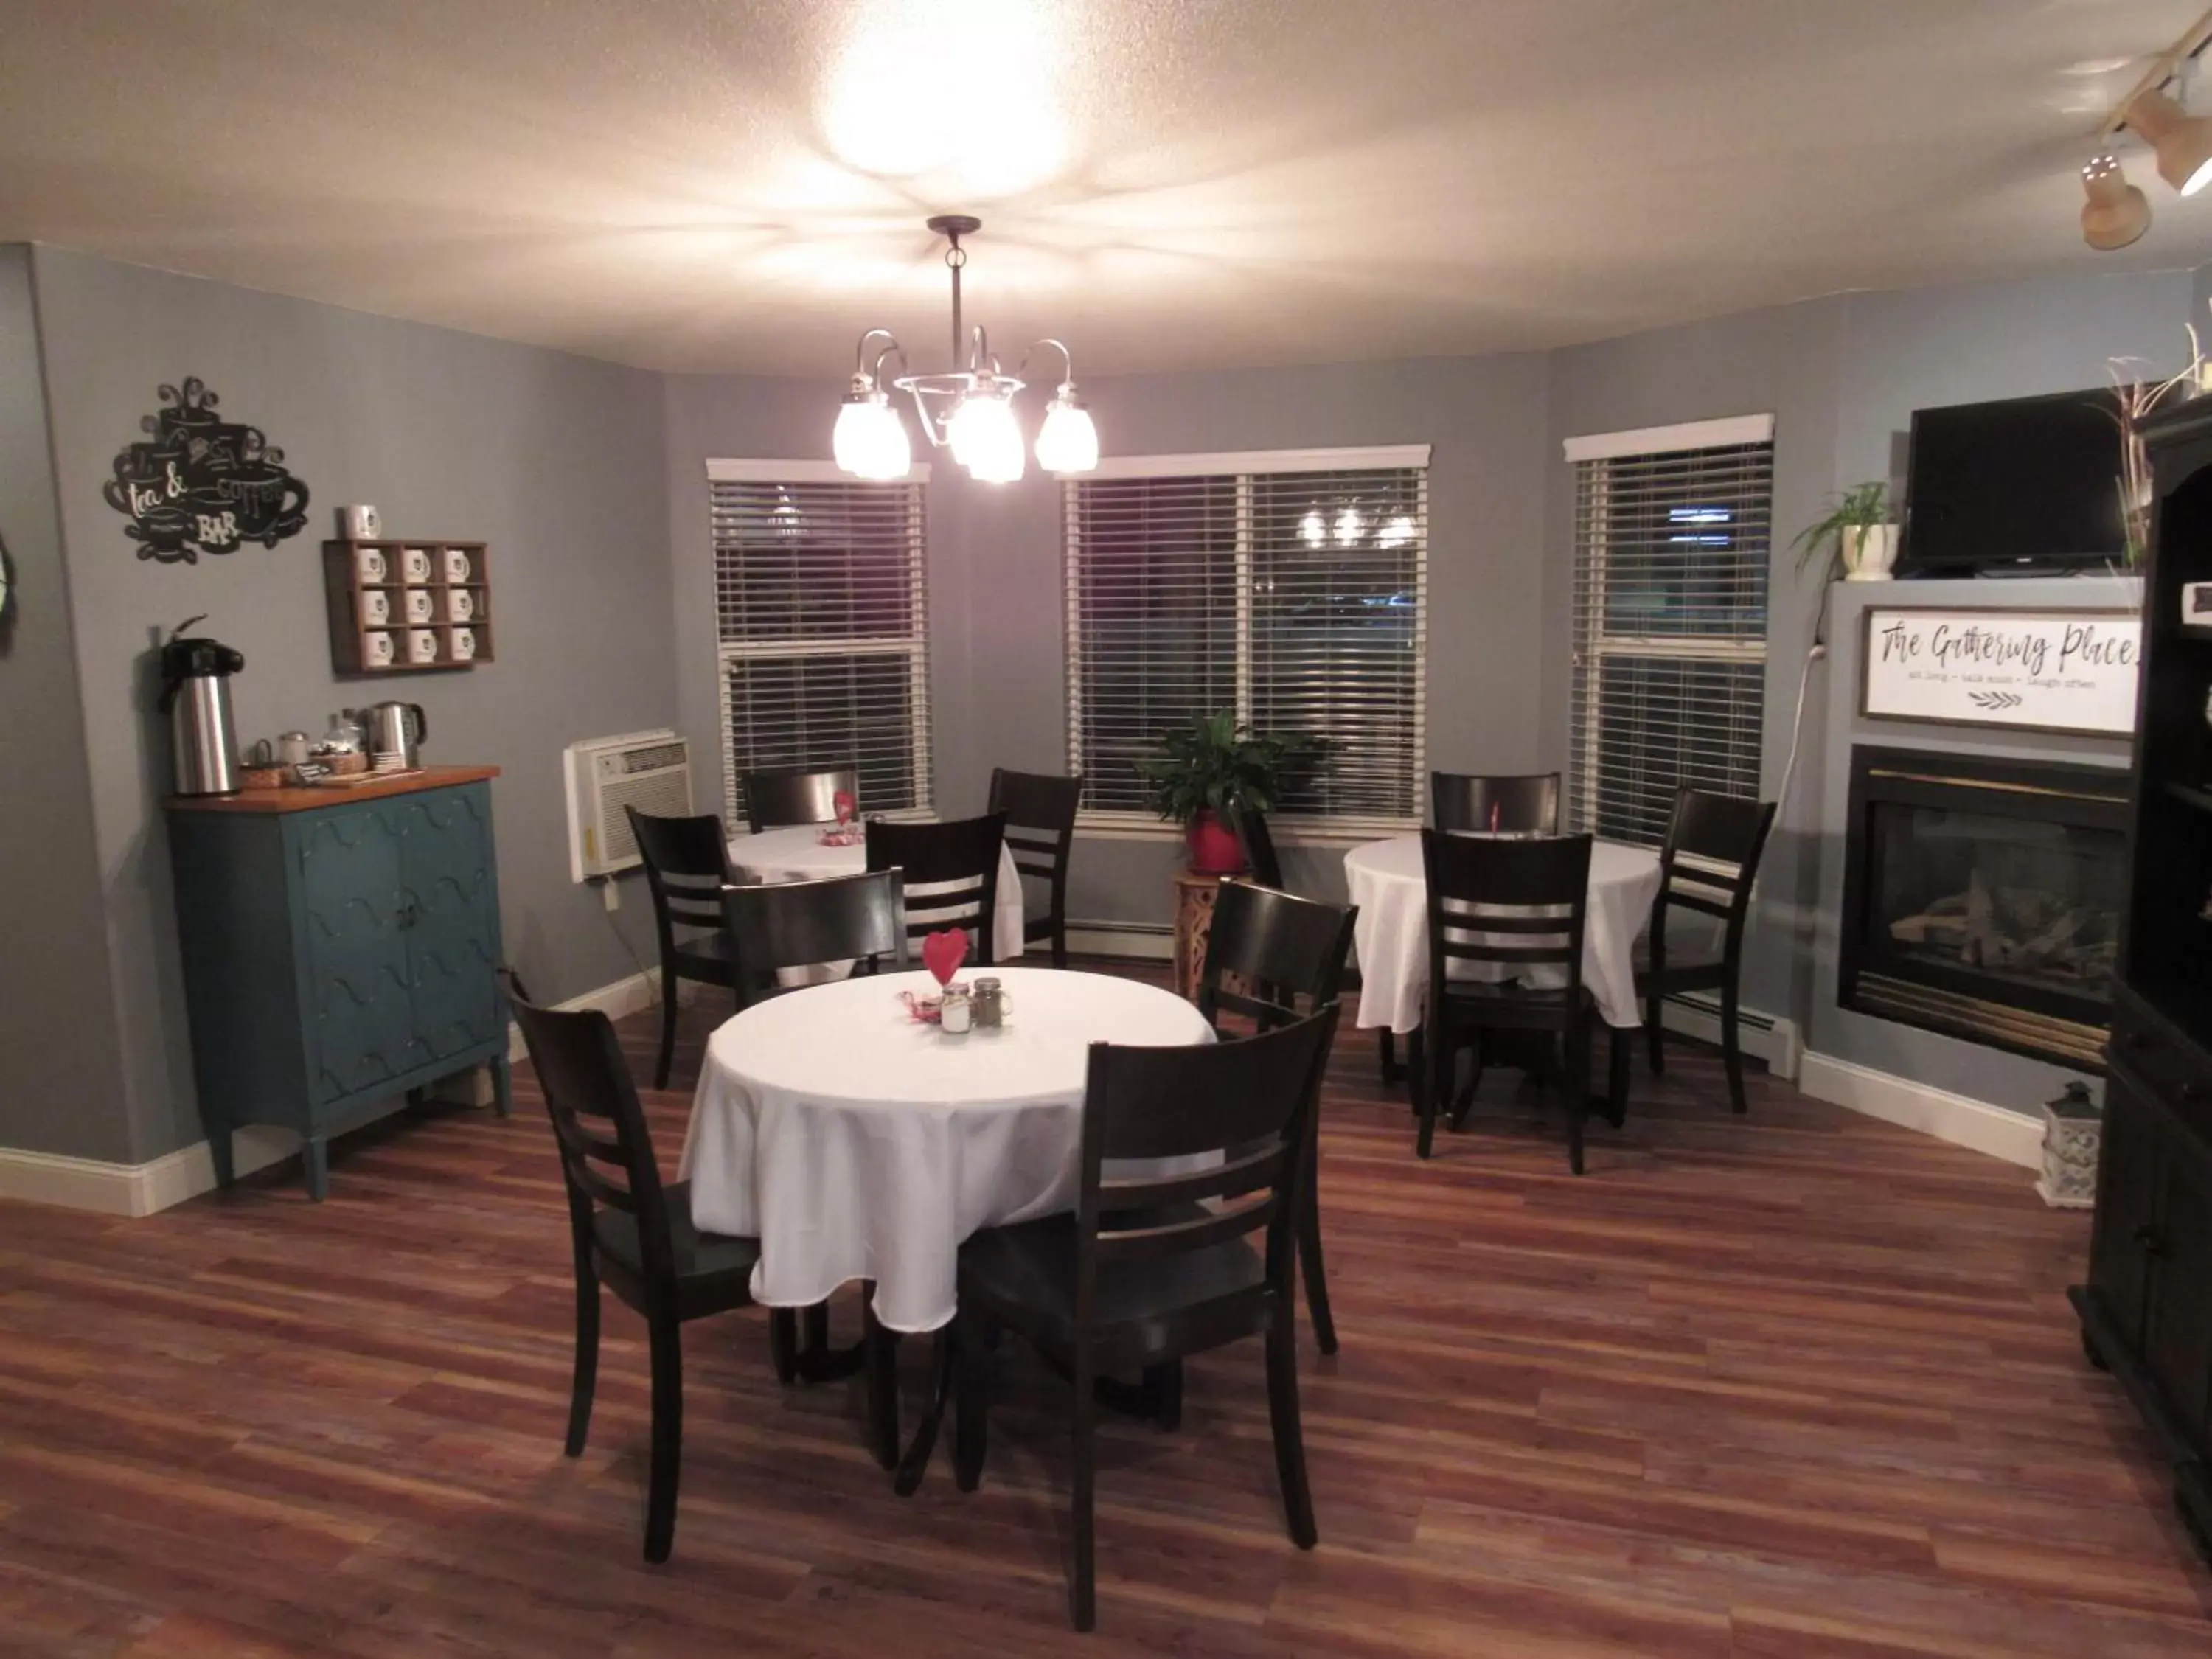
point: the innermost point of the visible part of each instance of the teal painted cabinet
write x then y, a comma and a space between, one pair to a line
337, 951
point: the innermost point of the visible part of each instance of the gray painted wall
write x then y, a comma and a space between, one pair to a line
59, 1076
555, 460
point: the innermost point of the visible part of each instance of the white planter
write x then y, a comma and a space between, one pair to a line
1868, 550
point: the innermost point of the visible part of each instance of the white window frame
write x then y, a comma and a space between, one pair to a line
1339, 830
729, 654
1593, 646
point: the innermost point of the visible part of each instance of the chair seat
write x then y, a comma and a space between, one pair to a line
1697, 974
714, 1271
1025, 1276
1510, 1003
704, 957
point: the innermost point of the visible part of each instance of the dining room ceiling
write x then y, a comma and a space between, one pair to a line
716, 185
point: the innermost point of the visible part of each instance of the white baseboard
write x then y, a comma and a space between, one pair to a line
1769, 1037
1963, 1123
1144, 941
625, 996
141, 1190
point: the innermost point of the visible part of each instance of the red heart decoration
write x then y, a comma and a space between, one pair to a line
841, 803
943, 952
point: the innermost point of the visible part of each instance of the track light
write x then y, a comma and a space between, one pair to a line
2182, 140
2116, 214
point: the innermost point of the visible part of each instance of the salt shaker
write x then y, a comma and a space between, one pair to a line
990, 1006
954, 1012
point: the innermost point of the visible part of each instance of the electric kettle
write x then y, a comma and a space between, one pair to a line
196, 696
397, 728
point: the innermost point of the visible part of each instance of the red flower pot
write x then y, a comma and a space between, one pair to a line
1214, 848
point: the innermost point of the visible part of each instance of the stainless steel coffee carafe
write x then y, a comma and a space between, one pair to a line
196, 696
397, 728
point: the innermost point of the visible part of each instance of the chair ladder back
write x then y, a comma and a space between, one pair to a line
781, 797
606, 1150
686, 862
1280, 947
951, 873
1520, 903
1520, 804
1711, 858
804, 923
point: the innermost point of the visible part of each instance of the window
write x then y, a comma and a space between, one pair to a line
822, 615
1671, 537
1287, 587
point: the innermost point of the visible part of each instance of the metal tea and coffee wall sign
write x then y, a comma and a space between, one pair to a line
202, 485
2036, 671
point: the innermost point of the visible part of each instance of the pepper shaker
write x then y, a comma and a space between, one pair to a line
990, 1006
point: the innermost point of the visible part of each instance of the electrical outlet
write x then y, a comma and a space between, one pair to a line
611, 893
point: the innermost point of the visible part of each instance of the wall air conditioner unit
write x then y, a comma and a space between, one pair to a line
649, 770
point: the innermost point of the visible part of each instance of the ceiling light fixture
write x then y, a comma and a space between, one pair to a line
968, 410
2115, 214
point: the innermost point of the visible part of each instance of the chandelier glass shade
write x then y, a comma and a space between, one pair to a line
968, 410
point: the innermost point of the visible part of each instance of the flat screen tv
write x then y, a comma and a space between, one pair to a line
2025, 485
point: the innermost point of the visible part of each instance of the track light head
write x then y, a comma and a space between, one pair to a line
2182, 140
2115, 215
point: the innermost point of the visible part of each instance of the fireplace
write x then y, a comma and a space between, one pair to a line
1982, 898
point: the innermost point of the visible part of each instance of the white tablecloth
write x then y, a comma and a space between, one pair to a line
797, 855
1388, 884
859, 1144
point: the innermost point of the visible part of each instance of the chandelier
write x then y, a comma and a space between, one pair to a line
968, 410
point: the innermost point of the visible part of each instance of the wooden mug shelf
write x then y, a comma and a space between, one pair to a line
353, 622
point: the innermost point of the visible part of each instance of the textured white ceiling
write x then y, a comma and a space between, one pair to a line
720, 184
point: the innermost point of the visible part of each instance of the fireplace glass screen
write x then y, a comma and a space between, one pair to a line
2016, 904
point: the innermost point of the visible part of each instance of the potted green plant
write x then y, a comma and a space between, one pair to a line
1203, 772
1856, 533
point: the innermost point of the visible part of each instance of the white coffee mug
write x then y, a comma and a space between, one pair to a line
415, 563
375, 606
464, 644
370, 562
419, 604
457, 565
362, 524
422, 645
377, 646
460, 604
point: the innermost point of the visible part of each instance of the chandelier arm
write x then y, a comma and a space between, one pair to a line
860, 351
1067, 357
893, 350
929, 427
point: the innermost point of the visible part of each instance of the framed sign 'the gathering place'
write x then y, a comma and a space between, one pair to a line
2034, 671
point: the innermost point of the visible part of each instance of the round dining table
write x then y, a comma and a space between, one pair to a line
1387, 881
797, 854
857, 1143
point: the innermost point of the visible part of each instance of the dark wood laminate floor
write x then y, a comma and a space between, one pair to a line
1797, 1385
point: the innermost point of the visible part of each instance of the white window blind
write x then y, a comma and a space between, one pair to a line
821, 615
1670, 630
1285, 589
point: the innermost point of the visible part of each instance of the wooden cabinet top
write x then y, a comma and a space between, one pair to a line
312, 798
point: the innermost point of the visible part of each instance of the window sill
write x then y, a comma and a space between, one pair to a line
1287, 832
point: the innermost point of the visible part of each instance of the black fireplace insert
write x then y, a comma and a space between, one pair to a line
1982, 898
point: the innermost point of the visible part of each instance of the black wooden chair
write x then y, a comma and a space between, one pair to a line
952, 874
1040, 834
777, 797
1280, 948
687, 864
1258, 841
634, 1235
1710, 860
1524, 804
804, 924
1545, 882
1146, 1270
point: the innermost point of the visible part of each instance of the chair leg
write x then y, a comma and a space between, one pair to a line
668, 984
1309, 1262
880, 1346
1576, 1084
971, 1399
1162, 1396
815, 1330
667, 1437
1654, 1033
1392, 1071
783, 1344
586, 1373
1732, 1047
1465, 1102
1619, 1061
1429, 1082
1083, 1596
1417, 1060
1283, 1418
